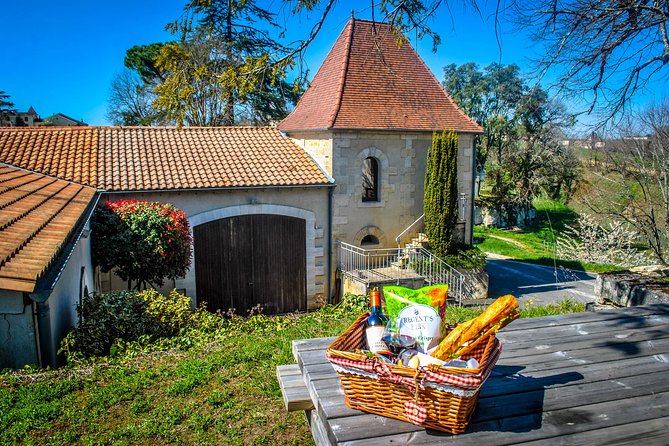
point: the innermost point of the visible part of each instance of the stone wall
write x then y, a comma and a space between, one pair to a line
503, 216
629, 289
402, 159
476, 283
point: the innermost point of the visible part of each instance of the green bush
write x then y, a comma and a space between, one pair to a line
109, 318
172, 312
142, 242
466, 257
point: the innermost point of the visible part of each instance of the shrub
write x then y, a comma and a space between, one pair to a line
142, 241
466, 257
441, 192
109, 318
589, 242
172, 312
104, 318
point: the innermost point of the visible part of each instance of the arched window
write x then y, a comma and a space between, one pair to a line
370, 179
369, 239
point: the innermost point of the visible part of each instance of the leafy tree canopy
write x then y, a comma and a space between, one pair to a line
5, 104
143, 242
226, 60
520, 148
142, 59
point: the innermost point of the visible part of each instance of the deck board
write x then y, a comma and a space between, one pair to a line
588, 378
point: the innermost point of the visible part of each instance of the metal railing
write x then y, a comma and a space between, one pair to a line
394, 265
399, 237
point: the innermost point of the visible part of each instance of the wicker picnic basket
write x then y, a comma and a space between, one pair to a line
435, 397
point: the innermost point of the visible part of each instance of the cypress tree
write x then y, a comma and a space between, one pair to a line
441, 192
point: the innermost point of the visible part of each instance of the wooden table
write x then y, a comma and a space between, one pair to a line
588, 378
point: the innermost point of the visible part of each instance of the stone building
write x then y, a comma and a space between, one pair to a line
19, 119
368, 118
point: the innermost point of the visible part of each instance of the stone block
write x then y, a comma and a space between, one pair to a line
628, 289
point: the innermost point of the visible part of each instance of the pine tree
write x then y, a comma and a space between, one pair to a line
441, 192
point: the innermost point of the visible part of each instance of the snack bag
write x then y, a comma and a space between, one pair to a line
418, 312
397, 297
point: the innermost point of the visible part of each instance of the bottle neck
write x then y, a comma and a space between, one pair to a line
375, 301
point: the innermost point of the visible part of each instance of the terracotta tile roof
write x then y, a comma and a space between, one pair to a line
368, 82
161, 158
69, 153
38, 215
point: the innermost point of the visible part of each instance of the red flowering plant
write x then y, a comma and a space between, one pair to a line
144, 242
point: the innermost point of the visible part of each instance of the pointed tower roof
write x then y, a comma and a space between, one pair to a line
367, 81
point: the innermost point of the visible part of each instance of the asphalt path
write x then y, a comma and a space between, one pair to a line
539, 284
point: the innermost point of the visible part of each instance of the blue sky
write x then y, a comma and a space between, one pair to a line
62, 56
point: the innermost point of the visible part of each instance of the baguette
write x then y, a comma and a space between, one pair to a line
466, 336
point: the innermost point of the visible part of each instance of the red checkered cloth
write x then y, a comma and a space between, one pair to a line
416, 413
464, 381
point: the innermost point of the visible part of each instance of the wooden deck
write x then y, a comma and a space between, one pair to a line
588, 378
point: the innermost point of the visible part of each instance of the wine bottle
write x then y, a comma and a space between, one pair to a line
376, 323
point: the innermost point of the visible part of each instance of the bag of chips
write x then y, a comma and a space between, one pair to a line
417, 312
433, 295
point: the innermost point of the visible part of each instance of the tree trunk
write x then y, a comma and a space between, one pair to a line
229, 108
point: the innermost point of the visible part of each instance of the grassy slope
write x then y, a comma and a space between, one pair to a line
535, 244
222, 393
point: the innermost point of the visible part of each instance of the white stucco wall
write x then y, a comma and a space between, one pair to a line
57, 314
307, 203
66, 295
17, 333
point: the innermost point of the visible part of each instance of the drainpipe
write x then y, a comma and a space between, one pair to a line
36, 330
329, 256
471, 210
47, 355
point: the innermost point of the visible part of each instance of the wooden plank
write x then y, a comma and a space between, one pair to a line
293, 388
312, 344
580, 357
610, 326
505, 379
567, 386
366, 429
586, 317
647, 432
318, 429
310, 357
582, 342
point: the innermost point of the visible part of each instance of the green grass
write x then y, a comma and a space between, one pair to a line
535, 244
220, 392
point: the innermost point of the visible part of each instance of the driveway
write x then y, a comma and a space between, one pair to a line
541, 284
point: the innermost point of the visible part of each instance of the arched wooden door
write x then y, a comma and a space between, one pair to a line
250, 260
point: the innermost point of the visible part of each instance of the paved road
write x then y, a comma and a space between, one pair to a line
542, 284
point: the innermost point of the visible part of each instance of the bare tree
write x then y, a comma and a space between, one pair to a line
638, 187
130, 101
603, 51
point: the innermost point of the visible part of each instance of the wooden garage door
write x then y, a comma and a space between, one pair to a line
250, 260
